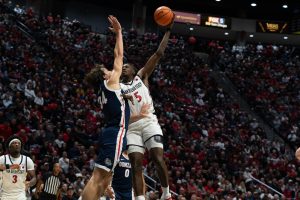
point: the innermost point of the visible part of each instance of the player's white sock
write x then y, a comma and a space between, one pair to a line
166, 193
141, 197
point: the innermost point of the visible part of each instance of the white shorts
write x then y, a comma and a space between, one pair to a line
145, 133
19, 197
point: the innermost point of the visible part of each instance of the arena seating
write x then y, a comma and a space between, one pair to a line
210, 143
268, 77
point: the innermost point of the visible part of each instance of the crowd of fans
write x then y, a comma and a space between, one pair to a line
210, 143
268, 77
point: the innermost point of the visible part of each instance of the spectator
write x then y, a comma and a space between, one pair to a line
64, 162
70, 194
208, 137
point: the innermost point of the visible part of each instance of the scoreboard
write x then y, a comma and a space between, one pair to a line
218, 22
185, 17
271, 27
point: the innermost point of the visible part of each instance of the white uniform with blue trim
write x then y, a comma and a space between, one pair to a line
13, 180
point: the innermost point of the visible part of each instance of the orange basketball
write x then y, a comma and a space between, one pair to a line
163, 16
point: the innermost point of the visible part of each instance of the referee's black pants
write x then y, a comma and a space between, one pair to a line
47, 196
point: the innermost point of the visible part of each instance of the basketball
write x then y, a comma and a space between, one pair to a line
163, 16
297, 154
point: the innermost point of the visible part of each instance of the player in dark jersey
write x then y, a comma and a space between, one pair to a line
116, 113
121, 182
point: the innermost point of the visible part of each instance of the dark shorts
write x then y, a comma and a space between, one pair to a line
112, 142
123, 195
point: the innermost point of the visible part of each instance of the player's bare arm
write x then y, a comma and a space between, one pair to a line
113, 81
147, 70
109, 192
33, 179
2, 167
129, 97
143, 114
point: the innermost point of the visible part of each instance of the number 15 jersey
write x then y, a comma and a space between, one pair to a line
140, 94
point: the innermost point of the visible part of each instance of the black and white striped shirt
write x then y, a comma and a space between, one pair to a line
51, 184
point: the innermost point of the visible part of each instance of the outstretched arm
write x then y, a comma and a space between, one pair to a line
118, 53
147, 70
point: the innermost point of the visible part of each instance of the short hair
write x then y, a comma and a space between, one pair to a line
133, 67
95, 76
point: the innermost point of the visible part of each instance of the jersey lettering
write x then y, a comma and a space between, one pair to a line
137, 96
132, 89
141, 95
127, 173
122, 175
14, 178
102, 99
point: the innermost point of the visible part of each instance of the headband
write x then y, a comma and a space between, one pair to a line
14, 140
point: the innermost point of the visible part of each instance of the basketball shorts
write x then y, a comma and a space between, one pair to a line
18, 197
112, 142
123, 195
145, 133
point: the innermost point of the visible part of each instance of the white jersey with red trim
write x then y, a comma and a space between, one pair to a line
141, 95
14, 177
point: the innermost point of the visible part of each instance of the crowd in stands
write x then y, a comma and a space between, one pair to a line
268, 77
210, 143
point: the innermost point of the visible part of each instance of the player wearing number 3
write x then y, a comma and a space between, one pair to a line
144, 130
15, 167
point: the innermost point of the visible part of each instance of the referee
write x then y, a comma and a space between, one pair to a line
51, 184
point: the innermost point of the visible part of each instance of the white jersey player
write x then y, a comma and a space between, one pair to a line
15, 168
141, 95
144, 132
141, 130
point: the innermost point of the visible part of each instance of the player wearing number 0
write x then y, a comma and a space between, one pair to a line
15, 167
144, 130
112, 140
121, 187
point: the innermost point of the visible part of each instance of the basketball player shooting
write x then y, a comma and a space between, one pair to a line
144, 130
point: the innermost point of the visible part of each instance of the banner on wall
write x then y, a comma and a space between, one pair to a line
185, 17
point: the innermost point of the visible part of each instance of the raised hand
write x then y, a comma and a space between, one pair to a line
115, 26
